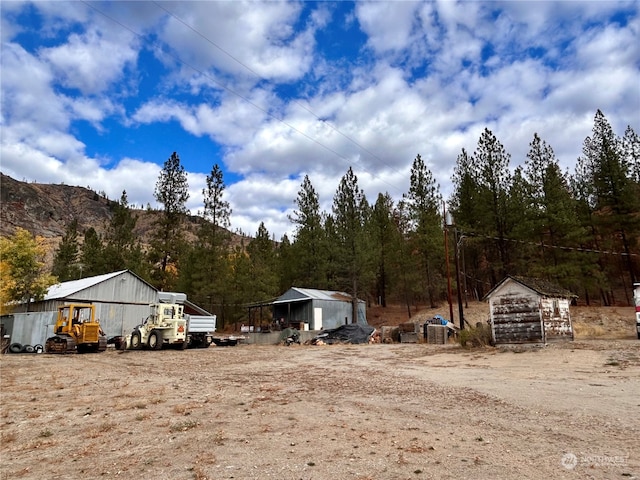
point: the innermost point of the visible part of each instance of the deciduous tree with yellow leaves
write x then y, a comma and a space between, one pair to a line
23, 275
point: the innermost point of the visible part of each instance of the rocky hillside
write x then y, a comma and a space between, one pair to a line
46, 210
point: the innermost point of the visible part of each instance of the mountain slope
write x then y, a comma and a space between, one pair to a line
46, 210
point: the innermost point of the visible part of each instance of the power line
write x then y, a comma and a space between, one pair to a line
238, 94
304, 107
558, 247
205, 74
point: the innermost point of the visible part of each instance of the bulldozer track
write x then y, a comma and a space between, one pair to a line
60, 344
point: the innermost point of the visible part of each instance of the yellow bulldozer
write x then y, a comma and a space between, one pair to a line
77, 330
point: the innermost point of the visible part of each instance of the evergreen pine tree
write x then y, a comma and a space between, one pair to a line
120, 241
614, 192
262, 257
494, 180
351, 214
423, 204
309, 246
386, 242
65, 260
92, 255
205, 267
172, 191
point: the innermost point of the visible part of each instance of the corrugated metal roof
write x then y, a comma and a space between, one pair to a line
297, 294
65, 289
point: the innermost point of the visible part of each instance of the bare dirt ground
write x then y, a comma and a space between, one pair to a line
400, 411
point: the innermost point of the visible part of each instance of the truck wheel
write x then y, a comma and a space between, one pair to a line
15, 347
135, 341
155, 340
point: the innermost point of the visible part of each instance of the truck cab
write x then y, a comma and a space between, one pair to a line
165, 326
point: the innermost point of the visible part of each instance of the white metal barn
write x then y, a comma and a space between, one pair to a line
121, 298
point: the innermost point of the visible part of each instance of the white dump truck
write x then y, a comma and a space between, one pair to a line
202, 333
166, 326
200, 330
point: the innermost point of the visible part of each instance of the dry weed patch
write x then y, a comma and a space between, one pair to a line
40, 444
106, 427
184, 426
588, 331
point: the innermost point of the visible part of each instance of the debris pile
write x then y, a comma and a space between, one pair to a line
351, 333
19, 348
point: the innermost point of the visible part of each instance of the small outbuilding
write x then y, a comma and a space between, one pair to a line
529, 310
317, 309
121, 299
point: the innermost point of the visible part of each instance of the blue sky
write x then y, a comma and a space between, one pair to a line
100, 94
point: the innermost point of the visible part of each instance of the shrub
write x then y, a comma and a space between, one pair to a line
478, 336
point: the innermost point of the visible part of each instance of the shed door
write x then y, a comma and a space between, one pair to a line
317, 318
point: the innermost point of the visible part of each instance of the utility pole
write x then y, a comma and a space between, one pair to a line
446, 255
464, 273
459, 289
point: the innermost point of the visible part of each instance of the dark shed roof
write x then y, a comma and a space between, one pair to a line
538, 285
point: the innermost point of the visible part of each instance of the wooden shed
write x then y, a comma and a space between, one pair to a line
529, 310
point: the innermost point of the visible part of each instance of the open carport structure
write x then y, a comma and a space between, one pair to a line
317, 309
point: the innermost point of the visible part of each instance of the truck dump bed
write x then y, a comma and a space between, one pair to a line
201, 324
